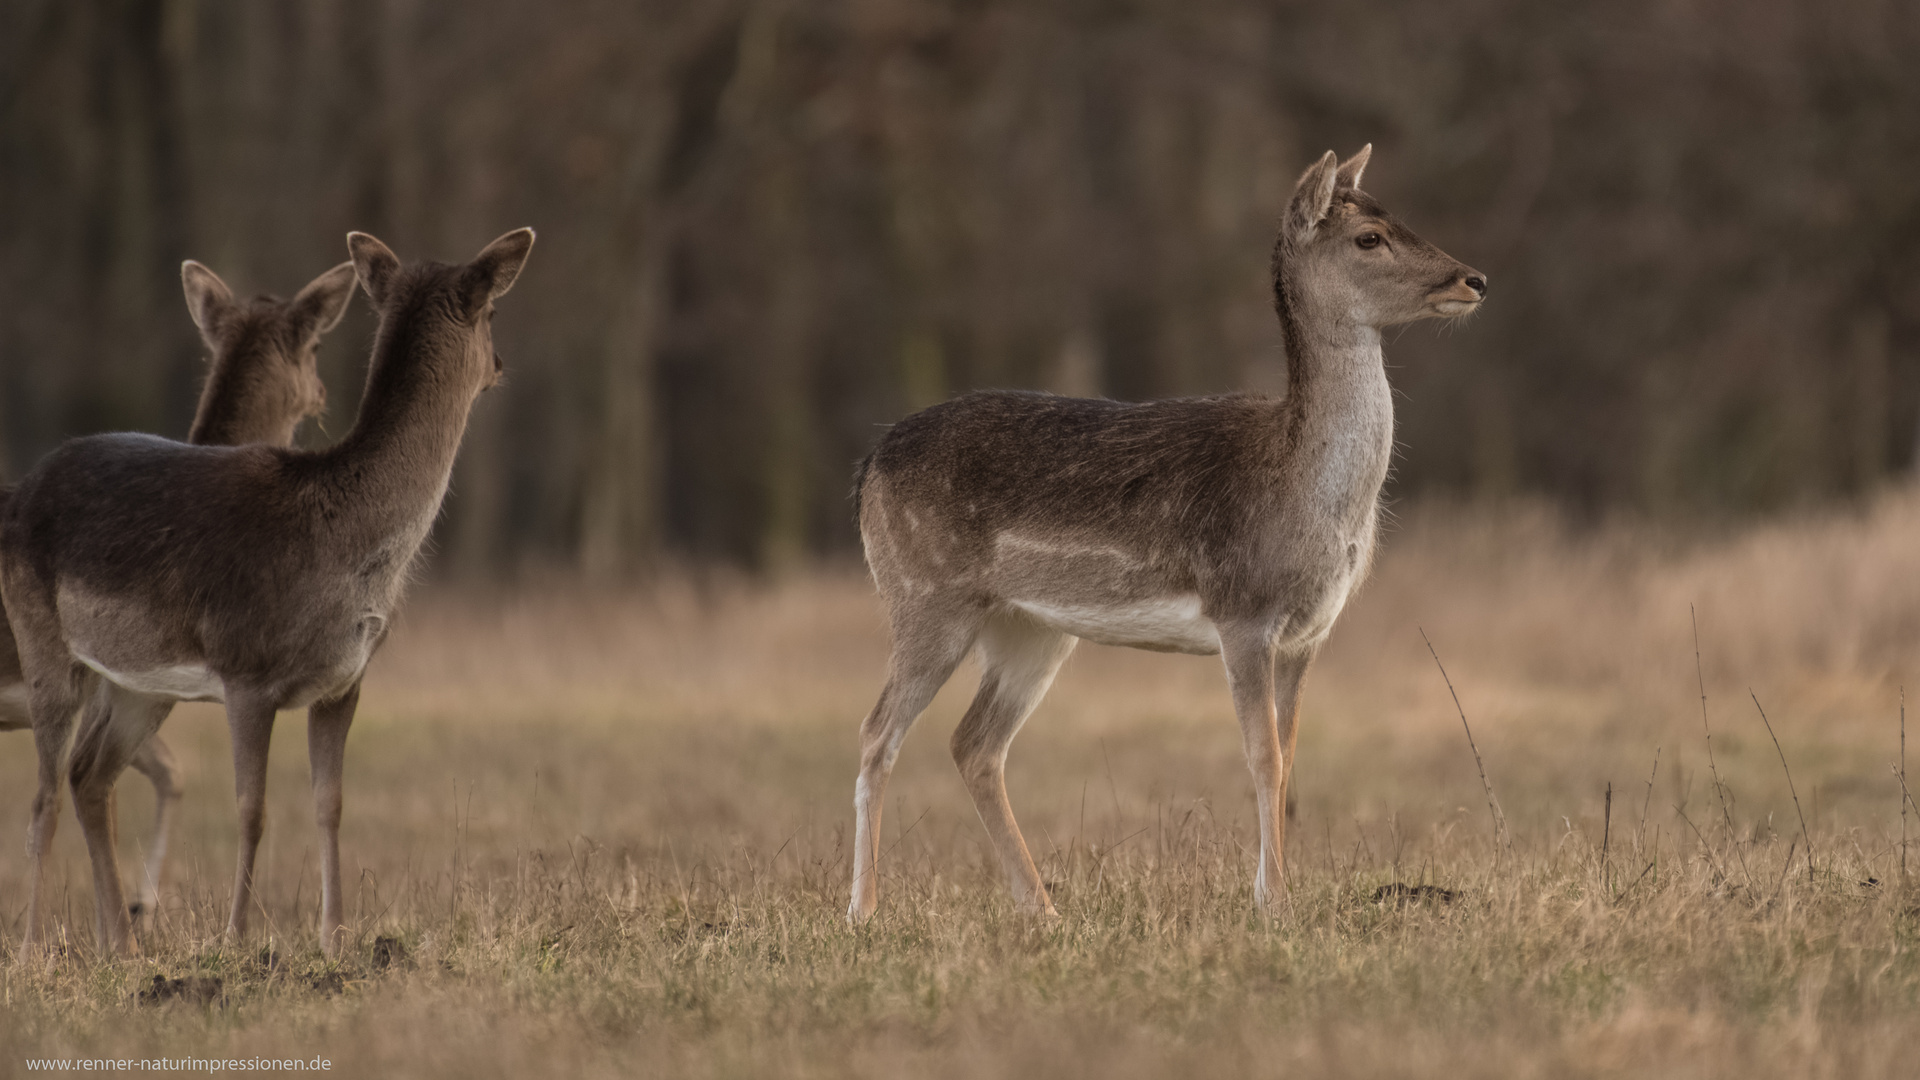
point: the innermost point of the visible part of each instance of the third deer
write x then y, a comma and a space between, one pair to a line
1014, 524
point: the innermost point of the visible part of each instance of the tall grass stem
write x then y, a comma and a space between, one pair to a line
1500, 833
1804, 834
1719, 789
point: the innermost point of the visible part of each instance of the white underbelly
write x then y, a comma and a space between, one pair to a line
1169, 623
179, 682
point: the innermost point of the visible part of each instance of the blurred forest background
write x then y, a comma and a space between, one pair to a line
768, 227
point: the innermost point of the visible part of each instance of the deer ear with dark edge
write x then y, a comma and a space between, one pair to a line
322, 303
374, 264
494, 270
1312, 197
208, 298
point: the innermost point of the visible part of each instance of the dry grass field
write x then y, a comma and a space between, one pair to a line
611, 833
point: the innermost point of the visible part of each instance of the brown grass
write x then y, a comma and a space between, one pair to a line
611, 831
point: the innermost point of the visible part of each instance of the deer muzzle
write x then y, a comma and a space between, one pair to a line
1460, 295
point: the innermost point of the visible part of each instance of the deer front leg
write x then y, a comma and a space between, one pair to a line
1252, 673
250, 722
1289, 674
327, 724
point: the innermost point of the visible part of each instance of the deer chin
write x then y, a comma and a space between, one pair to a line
1450, 308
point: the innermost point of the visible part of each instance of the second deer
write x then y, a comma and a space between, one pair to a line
1014, 524
262, 382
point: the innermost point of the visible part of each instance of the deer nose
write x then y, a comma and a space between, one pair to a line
1477, 283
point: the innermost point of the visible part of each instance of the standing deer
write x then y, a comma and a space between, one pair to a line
1016, 523
262, 381
258, 576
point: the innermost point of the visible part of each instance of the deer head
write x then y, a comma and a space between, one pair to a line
462, 337
265, 375
1344, 255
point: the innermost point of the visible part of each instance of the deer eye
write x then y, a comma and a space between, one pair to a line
1369, 240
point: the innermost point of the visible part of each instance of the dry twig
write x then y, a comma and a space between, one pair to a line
1718, 873
1719, 789
1804, 835
1606, 838
1500, 833
1648, 801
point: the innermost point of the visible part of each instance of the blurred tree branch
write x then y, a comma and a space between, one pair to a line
770, 226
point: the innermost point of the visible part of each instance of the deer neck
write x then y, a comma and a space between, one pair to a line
224, 419
390, 473
1339, 405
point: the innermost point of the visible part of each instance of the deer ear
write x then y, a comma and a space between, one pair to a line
1312, 197
322, 303
1350, 169
494, 270
374, 264
208, 298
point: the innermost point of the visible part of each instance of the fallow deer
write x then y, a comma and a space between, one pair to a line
262, 382
258, 576
1013, 524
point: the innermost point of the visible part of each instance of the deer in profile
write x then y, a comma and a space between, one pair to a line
262, 577
1013, 524
262, 382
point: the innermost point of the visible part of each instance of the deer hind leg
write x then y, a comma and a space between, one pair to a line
928, 643
116, 724
1266, 698
155, 761
53, 695
1019, 659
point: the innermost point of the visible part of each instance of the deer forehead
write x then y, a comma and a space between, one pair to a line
1352, 218
1346, 210
1358, 211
